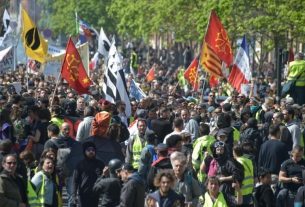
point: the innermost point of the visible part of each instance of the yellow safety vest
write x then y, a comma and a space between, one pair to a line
219, 202
236, 135
136, 152
32, 196
295, 69
41, 193
198, 153
248, 181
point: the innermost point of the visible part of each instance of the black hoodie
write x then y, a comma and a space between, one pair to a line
228, 167
86, 174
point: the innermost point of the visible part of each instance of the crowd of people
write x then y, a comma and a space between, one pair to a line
177, 148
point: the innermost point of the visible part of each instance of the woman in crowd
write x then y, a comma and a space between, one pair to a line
214, 198
45, 185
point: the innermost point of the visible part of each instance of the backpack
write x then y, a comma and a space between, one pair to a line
68, 157
100, 124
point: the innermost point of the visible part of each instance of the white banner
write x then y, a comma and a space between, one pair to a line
6, 59
52, 69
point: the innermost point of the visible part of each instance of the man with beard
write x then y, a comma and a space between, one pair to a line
85, 175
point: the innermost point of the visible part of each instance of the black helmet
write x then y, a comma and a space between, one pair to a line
114, 165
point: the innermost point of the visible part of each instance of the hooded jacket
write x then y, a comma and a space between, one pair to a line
227, 167
86, 174
133, 192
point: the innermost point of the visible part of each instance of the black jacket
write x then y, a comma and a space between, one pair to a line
110, 189
133, 192
264, 197
85, 175
162, 127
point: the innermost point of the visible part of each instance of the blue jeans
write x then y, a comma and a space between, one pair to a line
69, 185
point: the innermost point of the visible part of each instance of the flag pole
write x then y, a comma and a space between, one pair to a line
56, 86
201, 48
76, 22
59, 75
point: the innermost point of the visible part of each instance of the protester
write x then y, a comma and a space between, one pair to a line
213, 196
164, 196
296, 72
85, 175
12, 186
185, 184
136, 143
109, 187
84, 127
45, 185
291, 175
133, 191
263, 194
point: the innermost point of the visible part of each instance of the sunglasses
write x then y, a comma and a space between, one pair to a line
11, 163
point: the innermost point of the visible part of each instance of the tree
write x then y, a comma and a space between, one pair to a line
62, 14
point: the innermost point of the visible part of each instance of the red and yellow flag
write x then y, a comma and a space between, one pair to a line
210, 61
73, 70
191, 74
150, 75
216, 47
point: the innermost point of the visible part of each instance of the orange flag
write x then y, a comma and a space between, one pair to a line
191, 74
216, 47
73, 70
150, 75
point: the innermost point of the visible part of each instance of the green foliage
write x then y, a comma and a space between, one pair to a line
266, 20
62, 15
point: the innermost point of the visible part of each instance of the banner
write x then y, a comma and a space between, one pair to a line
59, 54
52, 68
6, 59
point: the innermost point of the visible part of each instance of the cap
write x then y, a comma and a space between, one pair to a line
161, 147
128, 167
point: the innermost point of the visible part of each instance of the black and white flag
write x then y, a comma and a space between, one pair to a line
114, 86
5, 28
103, 44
